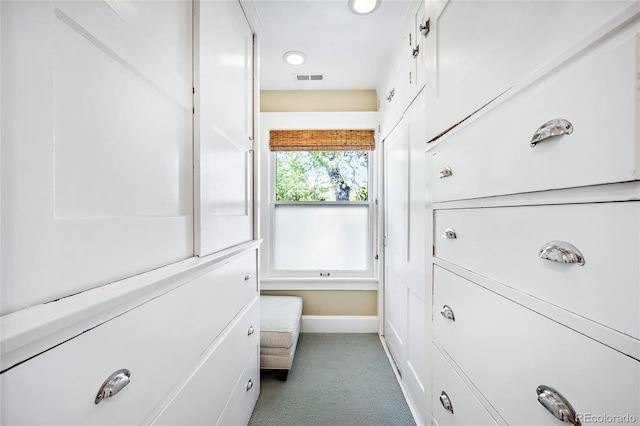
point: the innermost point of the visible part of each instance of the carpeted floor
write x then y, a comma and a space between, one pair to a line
337, 380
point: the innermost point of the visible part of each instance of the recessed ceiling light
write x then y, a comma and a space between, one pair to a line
362, 7
294, 58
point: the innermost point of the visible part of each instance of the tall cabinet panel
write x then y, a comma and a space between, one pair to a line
110, 316
96, 144
528, 200
223, 90
405, 287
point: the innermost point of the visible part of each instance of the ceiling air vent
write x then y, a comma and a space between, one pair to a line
309, 77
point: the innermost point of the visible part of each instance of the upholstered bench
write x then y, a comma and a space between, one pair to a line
280, 318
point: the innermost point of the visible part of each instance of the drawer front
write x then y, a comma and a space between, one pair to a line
597, 95
501, 243
507, 351
158, 342
235, 284
245, 395
465, 407
207, 391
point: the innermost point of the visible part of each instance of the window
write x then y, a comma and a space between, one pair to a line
321, 215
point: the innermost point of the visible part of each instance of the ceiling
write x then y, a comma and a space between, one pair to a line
351, 51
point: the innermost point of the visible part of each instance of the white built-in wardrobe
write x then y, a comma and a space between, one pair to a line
129, 263
531, 214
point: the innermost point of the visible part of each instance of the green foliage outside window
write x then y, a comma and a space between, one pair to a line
322, 175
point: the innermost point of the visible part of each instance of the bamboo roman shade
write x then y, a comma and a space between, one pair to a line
322, 140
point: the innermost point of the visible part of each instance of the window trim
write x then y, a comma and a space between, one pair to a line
370, 272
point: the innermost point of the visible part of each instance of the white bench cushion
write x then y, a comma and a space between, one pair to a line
279, 320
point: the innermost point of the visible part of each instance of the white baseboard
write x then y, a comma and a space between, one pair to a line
339, 324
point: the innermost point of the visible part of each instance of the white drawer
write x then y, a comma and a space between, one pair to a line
158, 342
467, 410
597, 95
245, 395
203, 397
507, 351
503, 244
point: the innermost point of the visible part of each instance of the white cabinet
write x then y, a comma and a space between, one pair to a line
228, 365
406, 224
406, 75
507, 351
97, 179
536, 284
453, 402
116, 258
159, 342
223, 101
477, 50
595, 94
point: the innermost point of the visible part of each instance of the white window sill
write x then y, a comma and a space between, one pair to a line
309, 283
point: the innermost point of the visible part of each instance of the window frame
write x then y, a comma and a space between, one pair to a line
371, 203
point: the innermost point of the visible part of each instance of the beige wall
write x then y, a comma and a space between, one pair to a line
330, 302
318, 100
325, 302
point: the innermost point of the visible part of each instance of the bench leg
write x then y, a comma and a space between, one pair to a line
282, 375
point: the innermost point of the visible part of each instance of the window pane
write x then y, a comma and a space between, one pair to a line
321, 237
322, 175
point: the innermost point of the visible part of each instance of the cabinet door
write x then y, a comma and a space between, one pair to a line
97, 180
405, 231
477, 50
223, 126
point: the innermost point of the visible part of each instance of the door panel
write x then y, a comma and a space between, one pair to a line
224, 128
96, 144
396, 237
406, 226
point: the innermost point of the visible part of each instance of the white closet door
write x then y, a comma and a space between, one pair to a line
406, 227
396, 189
97, 144
224, 126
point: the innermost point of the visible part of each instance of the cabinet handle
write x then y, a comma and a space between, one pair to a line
446, 172
250, 331
561, 251
425, 28
450, 234
113, 384
556, 127
247, 277
416, 51
557, 404
446, 402
392, 93
249, 384
447, 312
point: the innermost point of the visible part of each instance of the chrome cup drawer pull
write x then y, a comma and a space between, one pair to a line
450, 234
557, 404
556, 127
561, 251
447, 312
446, 172
249, 385
114, 384
247, 277
250, 331
446, 402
